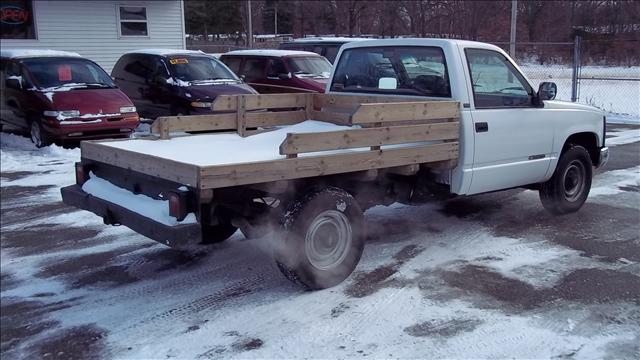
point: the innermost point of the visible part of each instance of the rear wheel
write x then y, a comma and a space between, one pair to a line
38, 135
323, 238
568, 188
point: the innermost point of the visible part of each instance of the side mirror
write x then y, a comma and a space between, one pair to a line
284, 76
547, 91
13, 83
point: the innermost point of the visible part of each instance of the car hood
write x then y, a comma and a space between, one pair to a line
559, 104
210, 92
317, 84
88, 101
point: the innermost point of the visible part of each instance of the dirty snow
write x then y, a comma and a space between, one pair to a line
457, 279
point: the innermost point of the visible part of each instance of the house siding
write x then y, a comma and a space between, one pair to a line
90, 28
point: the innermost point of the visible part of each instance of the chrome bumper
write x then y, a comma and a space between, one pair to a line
604, 156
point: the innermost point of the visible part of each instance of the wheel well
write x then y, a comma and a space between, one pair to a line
587, 140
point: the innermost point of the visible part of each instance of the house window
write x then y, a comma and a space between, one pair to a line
133, 21
17, 20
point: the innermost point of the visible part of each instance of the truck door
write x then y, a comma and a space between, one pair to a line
513, 138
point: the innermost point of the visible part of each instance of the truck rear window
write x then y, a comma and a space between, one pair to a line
410, 70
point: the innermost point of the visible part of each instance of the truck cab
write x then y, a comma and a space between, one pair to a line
511, 135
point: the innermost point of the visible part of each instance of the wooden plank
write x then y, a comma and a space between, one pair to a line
338, 118
241, 114
309, 166
179, 172
409, 111
274, 118
164, 125
266, 101
355, 138
351, 102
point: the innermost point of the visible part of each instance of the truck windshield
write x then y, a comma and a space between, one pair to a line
199, 69
409, 70
312, 66
66, 73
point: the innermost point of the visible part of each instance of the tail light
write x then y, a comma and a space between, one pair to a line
178, 205
82, 174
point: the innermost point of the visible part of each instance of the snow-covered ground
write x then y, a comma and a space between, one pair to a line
619, 97
492, 276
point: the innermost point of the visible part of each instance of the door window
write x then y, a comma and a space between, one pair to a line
232, 63
254, 69
138, 68
275, 68
495, 81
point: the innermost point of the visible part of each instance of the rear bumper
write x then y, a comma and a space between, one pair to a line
604, 157
112, 214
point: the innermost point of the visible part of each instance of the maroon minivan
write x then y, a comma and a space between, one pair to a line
280, 71
59, 95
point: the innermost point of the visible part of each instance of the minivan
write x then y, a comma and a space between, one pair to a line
325, 46
163, 82
280, 71
61, 96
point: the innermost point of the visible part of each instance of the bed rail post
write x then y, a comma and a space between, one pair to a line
241, 115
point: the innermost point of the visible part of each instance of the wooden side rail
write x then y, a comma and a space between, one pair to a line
368, 137
256, 102
167, 124
407, 111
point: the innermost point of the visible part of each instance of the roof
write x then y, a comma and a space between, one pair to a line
27, 53
421, 42
329, 39
165, 52
271, 52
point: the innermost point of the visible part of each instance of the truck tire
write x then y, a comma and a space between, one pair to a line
213, 234
568, 188
323, 238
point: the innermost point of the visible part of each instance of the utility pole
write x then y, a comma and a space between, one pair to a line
512, 37
249, 26
275, 20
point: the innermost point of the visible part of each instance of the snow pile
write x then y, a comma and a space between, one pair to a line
17, 53
157, 210
621, 137
224, 149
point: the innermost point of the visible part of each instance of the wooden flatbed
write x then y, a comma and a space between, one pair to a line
385, 133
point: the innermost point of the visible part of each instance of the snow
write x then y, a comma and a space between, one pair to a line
621, 137
157, 210
178, 82
224, 149
63, 118
271, 52
19, 53
614, 181
165, 52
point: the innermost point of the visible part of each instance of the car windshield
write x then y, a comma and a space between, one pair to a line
59, 73
200, 69
315, 66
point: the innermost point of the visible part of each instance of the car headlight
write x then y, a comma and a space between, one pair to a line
200, 104
127, 109
62, 113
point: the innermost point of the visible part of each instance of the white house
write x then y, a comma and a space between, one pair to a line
99, 30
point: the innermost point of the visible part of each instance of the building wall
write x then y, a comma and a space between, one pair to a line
91, 28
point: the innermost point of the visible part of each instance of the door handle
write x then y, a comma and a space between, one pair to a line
482, 127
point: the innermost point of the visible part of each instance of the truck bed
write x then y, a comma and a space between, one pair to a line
288, 136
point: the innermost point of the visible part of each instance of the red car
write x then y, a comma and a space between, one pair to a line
58, 95
280, 71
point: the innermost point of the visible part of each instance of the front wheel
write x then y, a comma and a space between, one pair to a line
568, 188
38, 135
323, 238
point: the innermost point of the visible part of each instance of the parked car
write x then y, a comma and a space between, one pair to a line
164, 82
58, 95
325, 46
280, 71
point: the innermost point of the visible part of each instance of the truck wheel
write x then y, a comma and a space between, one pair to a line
323, 238
569, 186
217, 233
38, 136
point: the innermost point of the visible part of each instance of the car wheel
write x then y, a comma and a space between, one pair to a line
568, 188
323, 238
217, 233
38, 135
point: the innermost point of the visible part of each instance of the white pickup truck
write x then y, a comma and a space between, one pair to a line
405, 120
